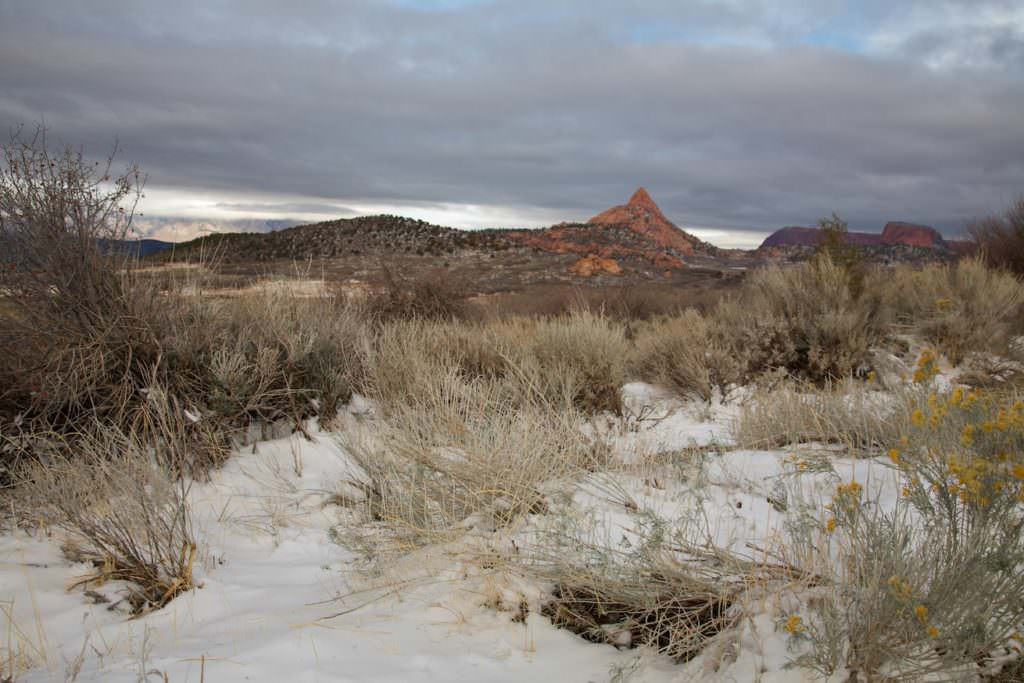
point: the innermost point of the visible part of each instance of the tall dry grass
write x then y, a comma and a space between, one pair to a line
120, 510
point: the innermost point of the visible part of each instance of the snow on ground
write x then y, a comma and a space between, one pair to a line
281, 601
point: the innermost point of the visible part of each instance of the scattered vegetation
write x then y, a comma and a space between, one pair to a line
119, 389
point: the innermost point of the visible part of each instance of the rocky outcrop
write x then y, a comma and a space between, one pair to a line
642, 215
592, 265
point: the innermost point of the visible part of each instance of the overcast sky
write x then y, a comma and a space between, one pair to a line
739, 116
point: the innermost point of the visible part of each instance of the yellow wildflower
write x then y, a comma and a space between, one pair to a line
830, 525
922, 613
794, 625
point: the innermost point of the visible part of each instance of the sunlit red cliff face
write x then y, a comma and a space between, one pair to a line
635, 230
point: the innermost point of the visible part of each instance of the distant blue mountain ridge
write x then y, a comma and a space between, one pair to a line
140, 247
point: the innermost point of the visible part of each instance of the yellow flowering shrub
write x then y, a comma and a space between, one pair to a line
932, 582
965, 455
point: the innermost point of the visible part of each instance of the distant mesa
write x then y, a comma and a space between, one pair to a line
895, 233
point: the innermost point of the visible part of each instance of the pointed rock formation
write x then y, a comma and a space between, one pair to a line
642, 215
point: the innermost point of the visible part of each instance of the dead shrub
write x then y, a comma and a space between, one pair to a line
1000, 238
673, 619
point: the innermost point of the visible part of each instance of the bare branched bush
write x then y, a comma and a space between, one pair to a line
1000, 238
72, 346
961, 308
123, 512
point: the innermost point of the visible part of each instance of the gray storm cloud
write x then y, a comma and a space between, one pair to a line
728, 113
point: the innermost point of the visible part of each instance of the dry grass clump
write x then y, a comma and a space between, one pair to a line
464, 454
574, 362
851, 414
933, 586
262, 358
962, 308
122, 512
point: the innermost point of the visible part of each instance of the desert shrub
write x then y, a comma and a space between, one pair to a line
933, 583
684, 354
432, 297
121, 512
809, 319
267, 357
1000, 238
961, 308
850, 414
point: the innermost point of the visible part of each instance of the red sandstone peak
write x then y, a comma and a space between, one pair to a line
642, 198
643, 216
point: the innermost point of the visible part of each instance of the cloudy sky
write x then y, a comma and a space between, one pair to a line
739, 116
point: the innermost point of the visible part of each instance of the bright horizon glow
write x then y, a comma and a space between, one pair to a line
180, 215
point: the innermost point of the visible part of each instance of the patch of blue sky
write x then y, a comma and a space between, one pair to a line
440, 5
